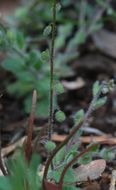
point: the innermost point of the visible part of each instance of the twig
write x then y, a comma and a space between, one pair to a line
113, 181
28, 144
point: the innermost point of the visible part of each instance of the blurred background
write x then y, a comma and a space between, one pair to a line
85, 51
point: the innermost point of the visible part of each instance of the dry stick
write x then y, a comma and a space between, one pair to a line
51, 111
28, 145
1, 162
71, 163
113, 180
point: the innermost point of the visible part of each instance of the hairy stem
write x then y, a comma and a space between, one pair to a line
51, 111
49, 161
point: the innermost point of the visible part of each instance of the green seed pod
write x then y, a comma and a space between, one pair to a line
45, 55
59, 88
60, 116
47, 30
50, 146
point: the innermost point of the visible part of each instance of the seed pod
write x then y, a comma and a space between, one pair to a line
60, 116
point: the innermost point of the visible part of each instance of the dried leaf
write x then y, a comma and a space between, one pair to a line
92, 170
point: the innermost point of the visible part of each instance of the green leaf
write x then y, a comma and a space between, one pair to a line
13, 64
24, 174
43, 86
87, 158
96, 26
61, 38
35, 60
79, 37
42, 107
60, 116
93, 149
35, 161
107, 154
59, 158
5, 183
69, 176
78, 117
20, 88
20, 40
100, 102
21, 12
47, 30
70, 187
96, 88
10, 35
71, 155
26, 77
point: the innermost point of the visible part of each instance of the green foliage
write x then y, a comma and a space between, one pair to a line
30, 66
70, 188
23, 176
96, 88
87, 158
78, 117
100, 102
27, 79
107, 154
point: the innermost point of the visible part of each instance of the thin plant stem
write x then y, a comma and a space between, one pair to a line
51, 110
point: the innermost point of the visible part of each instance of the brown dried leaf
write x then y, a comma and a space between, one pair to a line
92, 170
